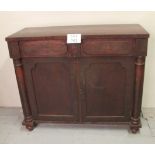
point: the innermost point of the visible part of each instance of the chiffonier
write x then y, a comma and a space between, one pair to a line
80, 74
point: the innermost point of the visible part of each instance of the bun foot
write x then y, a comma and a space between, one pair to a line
135, 124
134, 130
30, 128
29, 124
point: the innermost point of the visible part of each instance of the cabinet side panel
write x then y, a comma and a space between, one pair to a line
141, 46
14, 49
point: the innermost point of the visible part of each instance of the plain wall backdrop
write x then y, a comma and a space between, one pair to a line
11, 22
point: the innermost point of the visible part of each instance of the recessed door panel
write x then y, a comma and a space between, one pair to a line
51, 89
106, 89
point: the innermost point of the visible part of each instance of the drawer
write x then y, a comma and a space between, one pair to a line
107, 47
43, 48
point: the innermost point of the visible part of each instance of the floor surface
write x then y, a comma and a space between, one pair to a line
11, 131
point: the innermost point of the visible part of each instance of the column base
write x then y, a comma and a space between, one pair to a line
29, 123
135, 125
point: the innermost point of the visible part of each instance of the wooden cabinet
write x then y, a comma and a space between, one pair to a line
99, 80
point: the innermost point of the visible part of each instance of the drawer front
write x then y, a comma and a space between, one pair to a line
43, 48
107, 47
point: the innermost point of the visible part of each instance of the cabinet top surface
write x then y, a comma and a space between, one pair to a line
117, 30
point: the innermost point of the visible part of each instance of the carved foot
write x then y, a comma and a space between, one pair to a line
135, 124
29, 123
134, 129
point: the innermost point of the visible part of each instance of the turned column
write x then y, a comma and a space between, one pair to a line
28, 120
135, 123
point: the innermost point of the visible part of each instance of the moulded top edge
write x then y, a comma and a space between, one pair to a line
115, 30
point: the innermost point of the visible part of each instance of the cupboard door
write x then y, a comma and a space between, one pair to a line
51, 88
106, 89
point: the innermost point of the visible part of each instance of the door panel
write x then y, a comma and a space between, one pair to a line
51, 89
106, 88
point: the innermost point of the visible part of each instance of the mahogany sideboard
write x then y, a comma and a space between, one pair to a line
99, 80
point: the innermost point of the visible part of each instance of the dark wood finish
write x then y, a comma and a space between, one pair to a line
28, 119
99, 100
87, 31
100, 47
46, 48
139, 77
51, 89
99, 80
